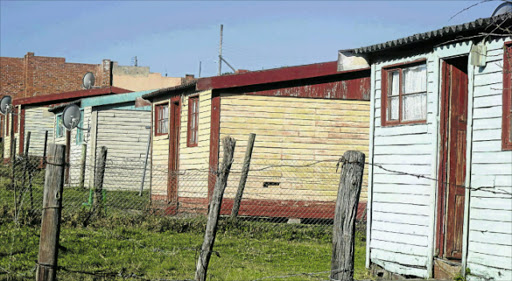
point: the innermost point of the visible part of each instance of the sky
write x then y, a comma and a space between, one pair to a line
175, 37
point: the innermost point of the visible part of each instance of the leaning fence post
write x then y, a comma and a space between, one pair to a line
215, 205
82, 166
13, 179
342, 261
98, 181
145, 161
25, 166
43, 163
243, 177
50, 219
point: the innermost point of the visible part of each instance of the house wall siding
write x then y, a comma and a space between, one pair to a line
37, 121
400, 230
195, 160
292, 132
124, 134
490, 222
159, 158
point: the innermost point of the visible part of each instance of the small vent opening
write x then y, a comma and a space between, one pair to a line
267, 184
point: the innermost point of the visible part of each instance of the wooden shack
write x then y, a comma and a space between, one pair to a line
113, 121
31, 115
304, 117
440, 184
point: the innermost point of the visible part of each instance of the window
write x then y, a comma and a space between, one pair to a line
161, 119
79, 130
507, 98
404, 94
59, 128
193, 120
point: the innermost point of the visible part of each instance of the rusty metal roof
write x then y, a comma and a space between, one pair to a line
170, 90
478, 27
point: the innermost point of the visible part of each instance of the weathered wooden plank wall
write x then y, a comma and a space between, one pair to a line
195, 160
125, 135
401, 217
37, 121
490, 225
292, 132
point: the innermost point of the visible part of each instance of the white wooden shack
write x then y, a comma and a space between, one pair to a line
440, 186
31, 115
113, 121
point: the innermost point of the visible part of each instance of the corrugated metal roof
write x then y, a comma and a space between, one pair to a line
101, 100
191, 84
447, 32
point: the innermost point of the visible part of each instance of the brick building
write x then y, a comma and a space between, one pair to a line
36, 76
32, 76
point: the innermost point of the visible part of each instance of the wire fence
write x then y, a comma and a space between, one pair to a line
152, 221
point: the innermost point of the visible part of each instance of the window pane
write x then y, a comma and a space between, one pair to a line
414, 107
392, 108
394, 83
164, 127
415, 79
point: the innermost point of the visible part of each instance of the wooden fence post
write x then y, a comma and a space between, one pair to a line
342, 261
82, 166
13, 179
43, 163
25, 166
98, 181
50, 223
215, 205
243, 177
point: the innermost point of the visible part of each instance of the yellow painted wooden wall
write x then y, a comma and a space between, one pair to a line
160, 154
194, 161
298, 142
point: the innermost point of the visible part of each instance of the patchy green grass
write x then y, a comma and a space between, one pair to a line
159, 247
141, 245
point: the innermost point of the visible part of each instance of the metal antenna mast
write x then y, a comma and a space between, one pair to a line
220, 50
221, 59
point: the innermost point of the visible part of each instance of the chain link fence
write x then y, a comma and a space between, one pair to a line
152, 220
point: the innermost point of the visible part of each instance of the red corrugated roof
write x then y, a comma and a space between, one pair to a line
65, 96
268, 76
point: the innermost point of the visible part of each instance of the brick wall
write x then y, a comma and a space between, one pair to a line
36, 76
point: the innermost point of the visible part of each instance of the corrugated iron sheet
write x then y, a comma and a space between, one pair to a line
474, 27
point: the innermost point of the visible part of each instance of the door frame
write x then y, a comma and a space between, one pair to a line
174, 126
441, 164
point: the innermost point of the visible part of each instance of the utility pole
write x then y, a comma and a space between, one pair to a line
220, 50
199, 76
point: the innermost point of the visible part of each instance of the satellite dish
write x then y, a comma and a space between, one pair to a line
5, 104
503, 8
71, 116
88, 80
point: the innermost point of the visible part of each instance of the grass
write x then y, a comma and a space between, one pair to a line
159, 247
141, 245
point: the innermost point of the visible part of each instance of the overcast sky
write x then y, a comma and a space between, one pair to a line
173, 37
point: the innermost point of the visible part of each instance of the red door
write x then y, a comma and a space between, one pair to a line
174, 137
452, 168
